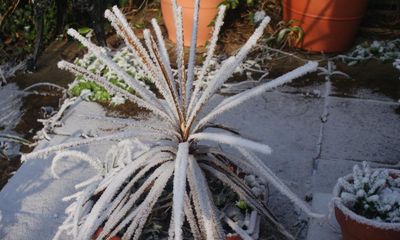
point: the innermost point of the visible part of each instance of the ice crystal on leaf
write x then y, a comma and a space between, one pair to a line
136, 173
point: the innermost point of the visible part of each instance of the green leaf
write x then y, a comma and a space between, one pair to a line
84, 30
282, 35
241, 204
139, 25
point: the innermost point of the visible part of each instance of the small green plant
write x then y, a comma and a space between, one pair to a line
286, 34
98, 93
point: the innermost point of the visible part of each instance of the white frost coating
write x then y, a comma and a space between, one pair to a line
131, 41
242, 233
203, 199
149, 156
192, 54
228, 68
95, 163
125, 31
161, 45
114, 211
396, 64
179, 190
123, 209
165, 60
238, 99
210, 53
112, 88
191, 218
241, 191
232, 140
177, 14
373, 192
132, 82
140, 218
117, 136
268, 174
161, 84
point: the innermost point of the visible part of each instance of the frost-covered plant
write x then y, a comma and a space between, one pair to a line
380, 50
396, 64
372, 193
169, 155
124, 59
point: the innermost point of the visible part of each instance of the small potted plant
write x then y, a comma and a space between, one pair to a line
367, 204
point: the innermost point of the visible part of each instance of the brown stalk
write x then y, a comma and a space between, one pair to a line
169, 82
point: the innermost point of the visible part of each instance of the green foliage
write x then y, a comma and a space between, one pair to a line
234, 4
84, 30
98, 92
242, 205
124, 59
17, 33
287, 34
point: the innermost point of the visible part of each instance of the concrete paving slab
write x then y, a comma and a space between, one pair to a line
289, 124
362, 130
31, 202
327, 173
327, 229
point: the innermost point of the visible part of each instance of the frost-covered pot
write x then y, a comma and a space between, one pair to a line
357, 227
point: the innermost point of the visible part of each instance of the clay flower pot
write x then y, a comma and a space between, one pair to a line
356, 227
207, 12
328, 25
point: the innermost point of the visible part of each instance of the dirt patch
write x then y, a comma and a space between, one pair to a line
377, 76
7, 167
126, 110
47, 71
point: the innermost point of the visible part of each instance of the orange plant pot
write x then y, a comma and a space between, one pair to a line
356, 227
207, 12
329, 25
353, 229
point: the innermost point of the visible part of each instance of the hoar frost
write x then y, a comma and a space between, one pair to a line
372, 193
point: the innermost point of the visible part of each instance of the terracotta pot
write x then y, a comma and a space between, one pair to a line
329, 25
207, 11
356, 227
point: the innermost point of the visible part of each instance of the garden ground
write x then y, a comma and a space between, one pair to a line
316, 137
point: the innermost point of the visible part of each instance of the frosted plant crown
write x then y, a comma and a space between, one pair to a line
172, 148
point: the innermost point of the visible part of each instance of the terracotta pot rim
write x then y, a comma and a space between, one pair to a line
338, 204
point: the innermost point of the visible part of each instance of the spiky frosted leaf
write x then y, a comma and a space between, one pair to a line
179, 186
